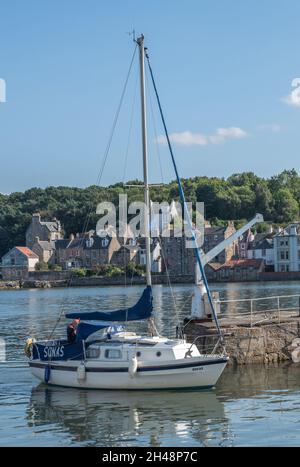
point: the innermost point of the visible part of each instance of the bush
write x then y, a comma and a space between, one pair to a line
80, 272
41, 266
55, 267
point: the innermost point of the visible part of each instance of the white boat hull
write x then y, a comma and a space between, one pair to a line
200, 372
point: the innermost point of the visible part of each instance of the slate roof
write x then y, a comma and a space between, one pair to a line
262, 241
52, 226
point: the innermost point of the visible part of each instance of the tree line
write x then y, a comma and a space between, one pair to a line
238, 197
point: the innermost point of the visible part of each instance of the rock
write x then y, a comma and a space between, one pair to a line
295, 343
296, 355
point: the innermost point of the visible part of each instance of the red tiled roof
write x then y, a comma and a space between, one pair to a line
27, 252
256, 263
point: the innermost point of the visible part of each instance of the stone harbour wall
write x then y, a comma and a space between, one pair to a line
265, 343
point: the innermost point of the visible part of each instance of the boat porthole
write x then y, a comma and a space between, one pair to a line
158, 354
138, 354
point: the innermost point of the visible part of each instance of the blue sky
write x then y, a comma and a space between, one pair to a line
224, 69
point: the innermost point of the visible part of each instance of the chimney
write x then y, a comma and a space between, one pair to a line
36, 217
37, 239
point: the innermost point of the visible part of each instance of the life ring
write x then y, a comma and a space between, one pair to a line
28, 347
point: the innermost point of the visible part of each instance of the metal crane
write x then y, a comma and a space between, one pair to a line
198, 305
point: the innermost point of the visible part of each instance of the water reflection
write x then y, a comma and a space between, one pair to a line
114, 418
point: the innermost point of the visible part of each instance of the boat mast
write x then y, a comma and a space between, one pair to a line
140, 42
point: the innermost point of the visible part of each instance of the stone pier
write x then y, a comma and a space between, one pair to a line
266, 342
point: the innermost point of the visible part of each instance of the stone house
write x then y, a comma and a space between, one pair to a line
180, 260
176, 258
243, 244
18, 262
124, 255
46, 231
85, 252
215, 235
44, 249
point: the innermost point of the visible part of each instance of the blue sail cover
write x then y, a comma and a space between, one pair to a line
141, 310
85, 329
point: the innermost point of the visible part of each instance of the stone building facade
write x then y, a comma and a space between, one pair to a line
44, 230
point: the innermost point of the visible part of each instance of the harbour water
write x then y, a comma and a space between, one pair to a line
251, 406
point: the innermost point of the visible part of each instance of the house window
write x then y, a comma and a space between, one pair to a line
263, 252
298, 254
243, 246
113, 353
216, 238
105, 242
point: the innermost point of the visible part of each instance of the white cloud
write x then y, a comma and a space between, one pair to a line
187, 138
224, 134
293, 98
273, 127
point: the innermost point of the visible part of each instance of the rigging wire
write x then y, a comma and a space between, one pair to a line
100, 173
182, 196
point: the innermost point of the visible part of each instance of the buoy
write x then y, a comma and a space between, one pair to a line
81, 372
296, 355
47, 374
133, 364
28, 347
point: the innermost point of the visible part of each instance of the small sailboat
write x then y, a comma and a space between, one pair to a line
121, 359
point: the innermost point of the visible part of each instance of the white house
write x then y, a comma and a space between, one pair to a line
262, 247
18, 262
287, 249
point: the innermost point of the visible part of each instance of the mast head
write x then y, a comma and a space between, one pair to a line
140, 40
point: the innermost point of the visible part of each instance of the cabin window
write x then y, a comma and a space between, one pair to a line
158, 354
113, 353
93, 353
138, 354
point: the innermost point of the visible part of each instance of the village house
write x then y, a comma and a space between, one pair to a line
18, 262
177, 259
287, 249
86, 251
243, 244
45, 250
215, 235
262, 247
46, 231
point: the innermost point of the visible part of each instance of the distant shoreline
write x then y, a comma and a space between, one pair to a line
120, 281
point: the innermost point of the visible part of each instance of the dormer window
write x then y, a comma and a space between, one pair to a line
105, 242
